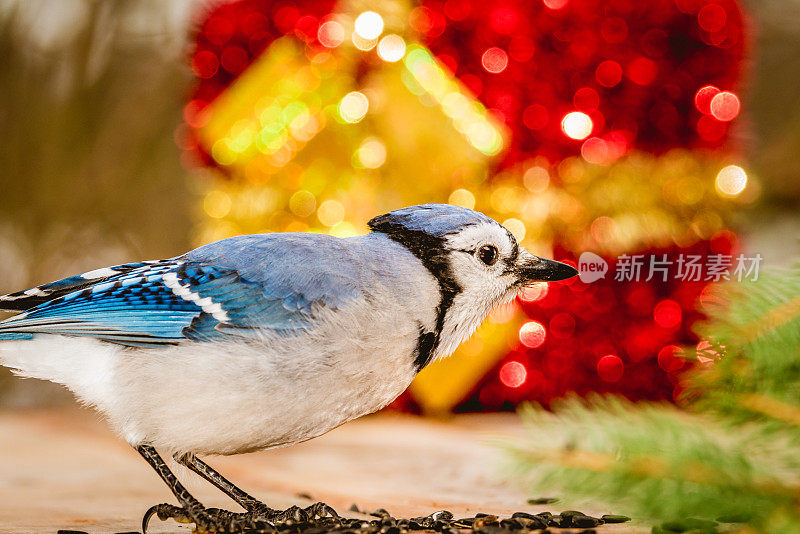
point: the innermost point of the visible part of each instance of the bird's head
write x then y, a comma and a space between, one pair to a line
476, 261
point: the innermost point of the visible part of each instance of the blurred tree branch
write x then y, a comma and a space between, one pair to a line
88, 160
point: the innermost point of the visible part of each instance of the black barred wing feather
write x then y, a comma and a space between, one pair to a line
23, 300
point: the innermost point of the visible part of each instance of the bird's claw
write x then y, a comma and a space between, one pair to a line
259, 518
207, 520
165, 511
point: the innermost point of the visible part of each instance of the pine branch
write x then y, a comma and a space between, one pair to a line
657, 462
755, 334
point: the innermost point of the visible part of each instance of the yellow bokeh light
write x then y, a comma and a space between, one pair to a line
455, 105
731, 181
392, 48
331, 213
577, 125
603, 229
364, 44
302, 203
469, 116
516, 227
536, 179
463, 198
353, 106
372, 153
504, 199
306, 79
304, 127
484, 137
222, 153
217, 204
369, 25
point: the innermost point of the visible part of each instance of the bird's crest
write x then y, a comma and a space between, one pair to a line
434, 220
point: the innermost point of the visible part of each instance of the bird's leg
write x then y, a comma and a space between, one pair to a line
190, 511
244, 499
256, 510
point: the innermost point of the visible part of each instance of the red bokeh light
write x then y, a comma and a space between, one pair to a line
457, 9
725, 106
610, 367
667, 314
307, 27
608, 73
702, 98
595, 150
513, 374
205, 64
286, 17
234, 59
712, 17
533, 292
219, 30
494, 60
532, 334
535, 116
556, 4
642, 71
669, 360
192, 114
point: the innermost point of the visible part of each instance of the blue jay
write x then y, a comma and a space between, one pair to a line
262, 341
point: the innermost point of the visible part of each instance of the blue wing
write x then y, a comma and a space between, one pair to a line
230, 288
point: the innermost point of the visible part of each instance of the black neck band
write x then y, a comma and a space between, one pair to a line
430, 251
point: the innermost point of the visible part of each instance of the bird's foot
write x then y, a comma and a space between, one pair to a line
260, 518
209, 520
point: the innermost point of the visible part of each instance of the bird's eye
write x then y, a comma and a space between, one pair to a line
488, 254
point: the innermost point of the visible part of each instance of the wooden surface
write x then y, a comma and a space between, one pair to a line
63, 469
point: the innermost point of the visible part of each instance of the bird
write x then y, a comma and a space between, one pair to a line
262, 341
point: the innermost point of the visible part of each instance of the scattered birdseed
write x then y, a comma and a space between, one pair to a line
443, 522
543, 500
611, 518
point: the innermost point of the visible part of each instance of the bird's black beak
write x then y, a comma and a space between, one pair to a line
532, 268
